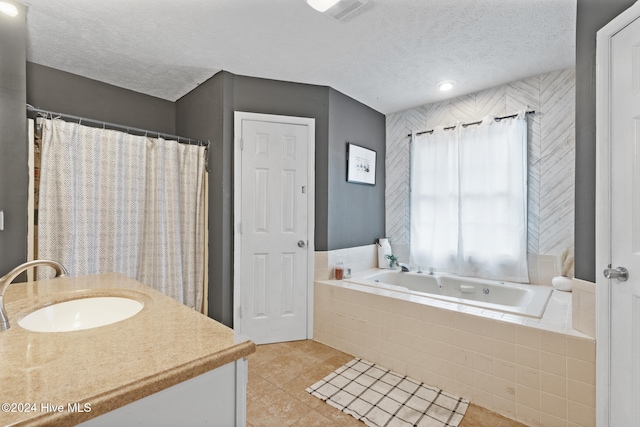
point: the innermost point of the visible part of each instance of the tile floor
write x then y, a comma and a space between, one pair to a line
280, 373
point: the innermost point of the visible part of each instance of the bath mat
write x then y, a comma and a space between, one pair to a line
382, 398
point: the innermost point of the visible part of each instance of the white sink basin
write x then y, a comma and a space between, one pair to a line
79, 314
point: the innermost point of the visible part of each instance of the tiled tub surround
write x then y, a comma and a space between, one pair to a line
540, 372
542, 268
583, 299
551, 156
358, 259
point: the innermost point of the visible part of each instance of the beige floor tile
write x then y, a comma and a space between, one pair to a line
314, 419
317, 350
266, 352
269, 406
280, 373
338, 360
477, 416
282, 369
297, 388
337, 417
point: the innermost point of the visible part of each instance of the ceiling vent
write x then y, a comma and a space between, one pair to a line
344, 8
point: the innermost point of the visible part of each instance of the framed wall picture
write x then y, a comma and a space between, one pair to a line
361, 165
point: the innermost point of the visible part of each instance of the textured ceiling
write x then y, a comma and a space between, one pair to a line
388, 55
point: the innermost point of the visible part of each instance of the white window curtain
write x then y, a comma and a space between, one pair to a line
434, 200
115, 202
487, 201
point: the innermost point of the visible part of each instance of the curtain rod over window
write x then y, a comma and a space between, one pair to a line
473, 123
97, 123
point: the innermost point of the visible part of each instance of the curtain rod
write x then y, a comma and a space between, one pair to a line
113, 126
472, 123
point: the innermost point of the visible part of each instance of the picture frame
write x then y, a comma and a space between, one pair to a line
361, 164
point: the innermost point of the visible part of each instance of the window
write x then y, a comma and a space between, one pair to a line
469, 200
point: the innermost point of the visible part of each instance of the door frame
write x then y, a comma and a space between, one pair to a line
239, 117
603, 206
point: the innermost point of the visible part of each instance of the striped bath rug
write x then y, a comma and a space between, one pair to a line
382, 398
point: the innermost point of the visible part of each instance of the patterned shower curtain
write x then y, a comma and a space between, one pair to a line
116, 202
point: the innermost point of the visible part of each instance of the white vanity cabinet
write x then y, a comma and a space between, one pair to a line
215, 398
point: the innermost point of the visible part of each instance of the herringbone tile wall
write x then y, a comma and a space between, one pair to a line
551, 153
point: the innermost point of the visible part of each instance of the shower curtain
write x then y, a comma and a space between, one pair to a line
116, 202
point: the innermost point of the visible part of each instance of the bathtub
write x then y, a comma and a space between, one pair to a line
516, 298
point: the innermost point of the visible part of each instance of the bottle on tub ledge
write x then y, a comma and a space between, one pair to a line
338, 271
384, 249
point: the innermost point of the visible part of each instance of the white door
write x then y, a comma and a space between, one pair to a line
273, 269
619, 320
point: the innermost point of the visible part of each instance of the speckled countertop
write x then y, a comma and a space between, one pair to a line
107, 367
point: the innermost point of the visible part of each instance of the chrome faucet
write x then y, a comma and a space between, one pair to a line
10, 276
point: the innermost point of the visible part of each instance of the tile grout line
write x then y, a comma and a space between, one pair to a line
309, 409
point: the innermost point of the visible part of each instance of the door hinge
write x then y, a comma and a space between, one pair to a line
240, 228
240, 312
304, 189
241, 144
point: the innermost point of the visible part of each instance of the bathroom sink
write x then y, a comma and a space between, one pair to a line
79, 314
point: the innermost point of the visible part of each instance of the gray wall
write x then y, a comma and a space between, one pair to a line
255, 95
591, 16
63, 92
13, 134
339, 119
207, 113
356, 212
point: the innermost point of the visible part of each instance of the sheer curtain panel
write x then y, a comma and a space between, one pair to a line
469, 200
116, 202
434, 200
493, 200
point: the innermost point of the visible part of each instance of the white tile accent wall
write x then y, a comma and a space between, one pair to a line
551, 154
531, 374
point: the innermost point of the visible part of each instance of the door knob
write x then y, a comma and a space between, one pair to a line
619, 273
301, 244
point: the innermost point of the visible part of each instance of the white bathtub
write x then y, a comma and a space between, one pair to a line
517, 298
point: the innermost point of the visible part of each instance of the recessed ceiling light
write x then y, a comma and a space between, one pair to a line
8, 9
322, 5
446, 85
337, 9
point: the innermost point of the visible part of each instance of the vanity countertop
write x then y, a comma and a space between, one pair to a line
166, 343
